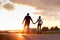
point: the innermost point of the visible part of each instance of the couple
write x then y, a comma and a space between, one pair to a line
27, 23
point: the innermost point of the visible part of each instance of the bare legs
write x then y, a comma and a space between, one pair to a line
39, 29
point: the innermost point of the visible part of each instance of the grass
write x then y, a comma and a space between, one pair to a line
51, 32
55, 32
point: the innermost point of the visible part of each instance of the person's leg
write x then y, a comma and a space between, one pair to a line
38, 29
24, 27
28, 29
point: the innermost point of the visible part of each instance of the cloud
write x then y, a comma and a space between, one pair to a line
8, 6
35, 3
51, 7
50, 14
0, 4
40, 4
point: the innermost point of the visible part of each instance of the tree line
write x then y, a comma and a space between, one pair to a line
52, 28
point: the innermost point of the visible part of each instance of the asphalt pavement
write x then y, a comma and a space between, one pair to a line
17, 36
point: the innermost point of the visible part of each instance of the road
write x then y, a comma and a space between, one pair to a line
16, 36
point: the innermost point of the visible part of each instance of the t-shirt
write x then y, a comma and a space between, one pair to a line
39, 21
27, 19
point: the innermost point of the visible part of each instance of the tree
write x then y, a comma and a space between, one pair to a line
45, 29
54, 28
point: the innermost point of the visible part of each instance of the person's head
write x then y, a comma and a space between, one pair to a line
39, 17
27, 14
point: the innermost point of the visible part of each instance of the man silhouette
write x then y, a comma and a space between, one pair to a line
27, 19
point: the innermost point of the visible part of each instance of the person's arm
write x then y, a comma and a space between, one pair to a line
31, 20
23, 19
36, 22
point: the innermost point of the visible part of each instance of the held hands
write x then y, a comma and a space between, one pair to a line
33, 23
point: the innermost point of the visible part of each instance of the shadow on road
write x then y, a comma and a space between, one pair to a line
26, 37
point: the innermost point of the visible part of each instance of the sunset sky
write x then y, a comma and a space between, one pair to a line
12, 13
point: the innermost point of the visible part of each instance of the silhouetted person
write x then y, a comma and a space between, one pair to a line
27, 21
39, 24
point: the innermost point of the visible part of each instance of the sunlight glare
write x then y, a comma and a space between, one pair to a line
12, 20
